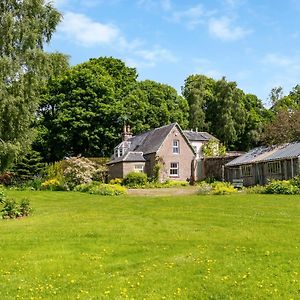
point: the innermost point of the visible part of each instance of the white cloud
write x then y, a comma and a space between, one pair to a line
156, 4
233, 3
206, 67
87, 32
277, 60
281, 70
224, 30
192, 16
166, 4
151, 57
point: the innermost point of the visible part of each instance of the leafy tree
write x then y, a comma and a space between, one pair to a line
284, 128
83, 110
80, 113
289, 102
25, 26
163, 105
257, 117
224, 110
226, 113
198, 91
275, 95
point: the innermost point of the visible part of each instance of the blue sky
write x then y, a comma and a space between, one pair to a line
253, 42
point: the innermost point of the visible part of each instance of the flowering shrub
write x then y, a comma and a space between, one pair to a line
256, 189
223, 188
116, 181
79, 170
108, 190
101, 189
53, 185
204, 188
55, 170
216, 188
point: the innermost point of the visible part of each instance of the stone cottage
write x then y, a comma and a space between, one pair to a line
167, 146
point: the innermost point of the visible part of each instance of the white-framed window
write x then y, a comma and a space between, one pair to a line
246, 170
274, 167
174, 169
175, 146
139, 168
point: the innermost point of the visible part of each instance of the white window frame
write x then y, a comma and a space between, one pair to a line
174, 169
175, 147
139, 168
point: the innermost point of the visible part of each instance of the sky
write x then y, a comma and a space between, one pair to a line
255, 43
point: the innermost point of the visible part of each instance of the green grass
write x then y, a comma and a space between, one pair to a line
80, 246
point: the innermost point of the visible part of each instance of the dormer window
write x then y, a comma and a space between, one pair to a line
175, 146
122, 149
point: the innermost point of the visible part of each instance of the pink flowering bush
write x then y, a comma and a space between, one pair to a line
78, 170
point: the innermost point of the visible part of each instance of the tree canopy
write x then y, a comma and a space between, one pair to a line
25, 26
83, 110
224, 110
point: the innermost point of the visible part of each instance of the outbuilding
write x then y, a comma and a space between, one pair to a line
262, 164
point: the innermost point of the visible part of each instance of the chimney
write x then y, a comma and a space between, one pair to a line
126, 135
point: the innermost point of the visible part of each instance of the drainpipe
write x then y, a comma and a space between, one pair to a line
223, 173
292, 167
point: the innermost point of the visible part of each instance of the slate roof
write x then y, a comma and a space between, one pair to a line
144, 143
265, 154
198, 136
150, 141
129, 157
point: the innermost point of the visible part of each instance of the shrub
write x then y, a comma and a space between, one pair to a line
257, 189
25, 208
28, 167
12, 209
204, 188
101, 189
116, 181
223, 188
108, 190
6, 178
2, 196
135, 179
281, 187
296, 181
79, 170
55, 170
175, 183
53, 185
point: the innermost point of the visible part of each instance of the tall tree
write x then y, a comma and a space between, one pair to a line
289, 102
198, 91
164, 105
25, 26
284, 128
84, 110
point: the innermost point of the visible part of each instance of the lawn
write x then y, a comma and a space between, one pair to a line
80, 246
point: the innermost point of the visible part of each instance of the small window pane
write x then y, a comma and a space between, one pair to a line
174, 169
139, 168
175, 146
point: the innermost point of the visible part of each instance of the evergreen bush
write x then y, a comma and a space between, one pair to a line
135, 179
